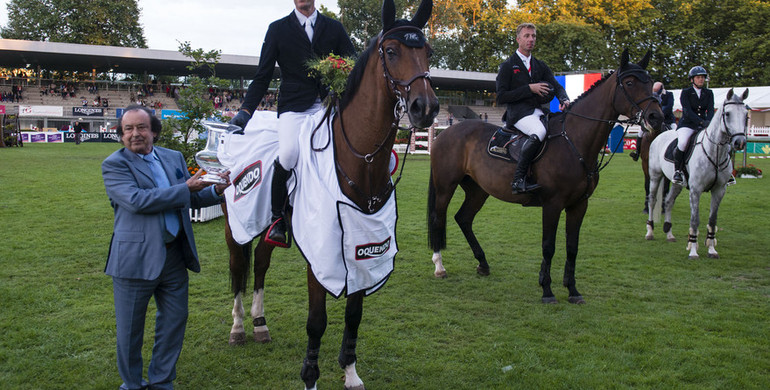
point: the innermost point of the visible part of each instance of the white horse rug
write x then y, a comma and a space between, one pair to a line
348, 250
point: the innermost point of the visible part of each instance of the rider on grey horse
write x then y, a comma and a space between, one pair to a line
697, 110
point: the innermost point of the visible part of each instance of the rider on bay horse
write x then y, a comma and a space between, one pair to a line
697, 110
526, 85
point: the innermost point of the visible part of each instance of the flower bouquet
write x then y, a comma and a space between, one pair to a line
333, 72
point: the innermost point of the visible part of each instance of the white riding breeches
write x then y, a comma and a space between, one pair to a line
683, 134
289, 125
532, 125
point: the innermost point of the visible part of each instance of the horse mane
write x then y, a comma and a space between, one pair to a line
355, 76
629, 66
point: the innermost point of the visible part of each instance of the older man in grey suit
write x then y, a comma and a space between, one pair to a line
152, 245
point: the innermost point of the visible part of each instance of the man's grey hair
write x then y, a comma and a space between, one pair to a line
523, 26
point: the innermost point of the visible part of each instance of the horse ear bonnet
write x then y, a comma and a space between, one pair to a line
409, 37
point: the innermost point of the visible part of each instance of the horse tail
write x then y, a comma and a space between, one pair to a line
436, 230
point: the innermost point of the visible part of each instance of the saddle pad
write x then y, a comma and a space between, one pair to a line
669, 153
250, 157
499, 143
316, 224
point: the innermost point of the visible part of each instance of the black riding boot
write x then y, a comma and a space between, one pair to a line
528, 151
277, 234
678, 167
635, 154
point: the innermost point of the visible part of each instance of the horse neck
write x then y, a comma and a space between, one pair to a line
367, 121
711, 137
590, 136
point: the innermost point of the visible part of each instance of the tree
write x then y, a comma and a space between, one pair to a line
97, 22
194, 104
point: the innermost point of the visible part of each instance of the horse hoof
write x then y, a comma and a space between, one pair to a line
671, 239
550, 300
649, 237
578, 300
359, 387
713, 255
237, 339
693, 257
482, 271
261, 336
440, 274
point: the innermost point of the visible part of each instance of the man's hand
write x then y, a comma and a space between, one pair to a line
195, 183
541, 89
220, 187
241, 119
563, 105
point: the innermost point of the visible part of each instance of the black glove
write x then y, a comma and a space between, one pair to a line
241, 119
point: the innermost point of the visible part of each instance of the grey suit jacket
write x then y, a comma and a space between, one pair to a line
137, 249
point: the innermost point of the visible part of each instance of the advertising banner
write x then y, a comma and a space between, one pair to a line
24, 137
110, 137
37, 137
41, 111
171, 114
55, 137
2, 109
87, 111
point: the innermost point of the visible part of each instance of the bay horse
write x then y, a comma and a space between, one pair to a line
644, 155
390, 78
710, 167
567, 170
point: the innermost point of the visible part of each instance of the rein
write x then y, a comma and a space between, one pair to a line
399, 110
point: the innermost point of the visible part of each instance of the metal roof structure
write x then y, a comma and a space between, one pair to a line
86, 58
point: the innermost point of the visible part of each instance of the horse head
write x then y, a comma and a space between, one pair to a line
636, 85
734, 119
405, 55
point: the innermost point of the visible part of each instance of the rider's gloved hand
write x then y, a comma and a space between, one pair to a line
241, 119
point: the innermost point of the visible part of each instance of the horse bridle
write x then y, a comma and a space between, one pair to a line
398, 112
716, 164
724, 124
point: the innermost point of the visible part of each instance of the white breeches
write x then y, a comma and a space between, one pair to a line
531, 124
289, 125
683, 134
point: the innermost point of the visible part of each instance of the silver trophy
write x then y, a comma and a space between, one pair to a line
208, 158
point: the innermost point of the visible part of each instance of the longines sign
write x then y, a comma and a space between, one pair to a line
87, 111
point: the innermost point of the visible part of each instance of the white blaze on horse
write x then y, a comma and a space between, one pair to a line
709, 168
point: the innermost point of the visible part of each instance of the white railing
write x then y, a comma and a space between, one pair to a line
206, 213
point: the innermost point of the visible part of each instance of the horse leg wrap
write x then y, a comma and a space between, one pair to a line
651, 224
666, 227
259, 321
310, 372
347, 353
692, 238
711, 236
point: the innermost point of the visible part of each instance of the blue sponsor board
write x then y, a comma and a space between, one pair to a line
165, 114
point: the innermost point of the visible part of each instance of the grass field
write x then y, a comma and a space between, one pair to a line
653, 318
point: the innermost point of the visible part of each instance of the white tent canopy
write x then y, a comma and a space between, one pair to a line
758, 100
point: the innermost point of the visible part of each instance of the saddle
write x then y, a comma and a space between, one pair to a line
668, 155
506, 142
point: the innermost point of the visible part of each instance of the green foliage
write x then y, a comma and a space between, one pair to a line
654, 320
580, 35
99, 22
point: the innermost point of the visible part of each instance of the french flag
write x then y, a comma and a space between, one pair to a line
575, 85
